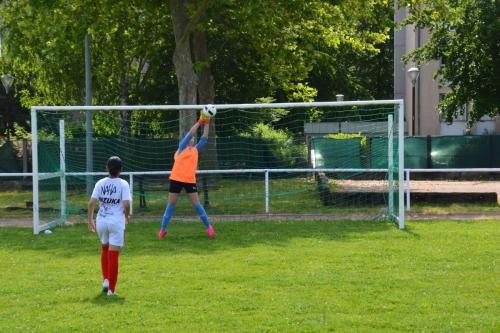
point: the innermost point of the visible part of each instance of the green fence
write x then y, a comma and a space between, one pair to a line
463, 152
378, 152
441, 152
337, 153
416, 153
240, 152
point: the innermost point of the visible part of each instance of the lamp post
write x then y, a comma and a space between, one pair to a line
7, 81
413, 73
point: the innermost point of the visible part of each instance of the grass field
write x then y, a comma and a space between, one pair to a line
257, 277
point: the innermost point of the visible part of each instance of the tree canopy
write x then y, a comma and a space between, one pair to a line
466, 35
289, 50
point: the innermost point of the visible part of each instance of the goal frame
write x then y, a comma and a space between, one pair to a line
37, 227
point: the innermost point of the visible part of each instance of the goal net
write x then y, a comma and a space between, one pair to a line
320, 160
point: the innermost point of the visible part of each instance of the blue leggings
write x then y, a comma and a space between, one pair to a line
167, 216
203, 214
169, 211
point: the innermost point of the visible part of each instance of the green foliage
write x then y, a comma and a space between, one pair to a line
466, 34
291, 50
21, 133
271, 115
282, 144
325, 47
300, 92
128, 44
345, 136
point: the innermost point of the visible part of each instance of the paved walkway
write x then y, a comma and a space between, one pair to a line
421, 186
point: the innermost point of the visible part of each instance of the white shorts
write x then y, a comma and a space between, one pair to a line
111, 234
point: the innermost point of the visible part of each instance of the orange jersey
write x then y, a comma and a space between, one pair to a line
185, 165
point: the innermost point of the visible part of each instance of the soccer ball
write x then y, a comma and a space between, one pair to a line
209, 110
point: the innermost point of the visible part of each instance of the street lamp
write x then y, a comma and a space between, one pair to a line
7, 81
413, 73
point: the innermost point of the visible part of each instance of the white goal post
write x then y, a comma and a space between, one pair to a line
395, 163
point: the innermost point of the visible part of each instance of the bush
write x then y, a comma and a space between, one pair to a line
281, 143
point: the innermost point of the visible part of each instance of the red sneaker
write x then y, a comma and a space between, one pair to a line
162, 234
211, 232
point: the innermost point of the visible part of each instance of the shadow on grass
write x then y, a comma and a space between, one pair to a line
141, 238
408, 230
103, 299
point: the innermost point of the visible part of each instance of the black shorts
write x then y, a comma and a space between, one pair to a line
176, 187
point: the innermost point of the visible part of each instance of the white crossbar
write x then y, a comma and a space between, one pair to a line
218, 106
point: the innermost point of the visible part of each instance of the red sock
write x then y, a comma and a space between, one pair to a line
113, 268
104, 261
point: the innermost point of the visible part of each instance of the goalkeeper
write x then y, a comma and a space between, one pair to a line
183, 176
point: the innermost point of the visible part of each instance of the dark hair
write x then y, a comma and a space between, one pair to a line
114, 166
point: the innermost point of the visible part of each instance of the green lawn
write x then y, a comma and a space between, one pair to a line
13, 204
257, 277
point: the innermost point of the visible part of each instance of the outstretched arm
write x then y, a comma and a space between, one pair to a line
206, 129
192, 132
194, 129
204, 137
189, 135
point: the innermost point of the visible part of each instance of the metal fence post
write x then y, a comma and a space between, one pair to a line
34, 158
131, 181
267, 190
401, 164
62, 167
390, 164
407, 190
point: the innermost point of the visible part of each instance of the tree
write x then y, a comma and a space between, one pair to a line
192, 67
130, 50
298, 50
198, 51
276, 48
187, 80
466, 35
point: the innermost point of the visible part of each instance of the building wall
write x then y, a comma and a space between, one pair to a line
399, 51
427, 95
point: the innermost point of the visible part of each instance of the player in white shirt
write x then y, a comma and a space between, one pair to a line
113, 195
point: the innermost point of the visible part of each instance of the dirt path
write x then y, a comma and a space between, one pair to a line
422, 186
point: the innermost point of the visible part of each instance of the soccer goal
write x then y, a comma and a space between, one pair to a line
318, 160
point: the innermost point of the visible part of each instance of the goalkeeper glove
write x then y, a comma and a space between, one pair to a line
203, 119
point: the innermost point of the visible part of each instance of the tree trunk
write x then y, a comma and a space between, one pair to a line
125, 123
187, 81
206, 93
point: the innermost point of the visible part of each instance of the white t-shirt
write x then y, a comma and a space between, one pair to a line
110, 192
